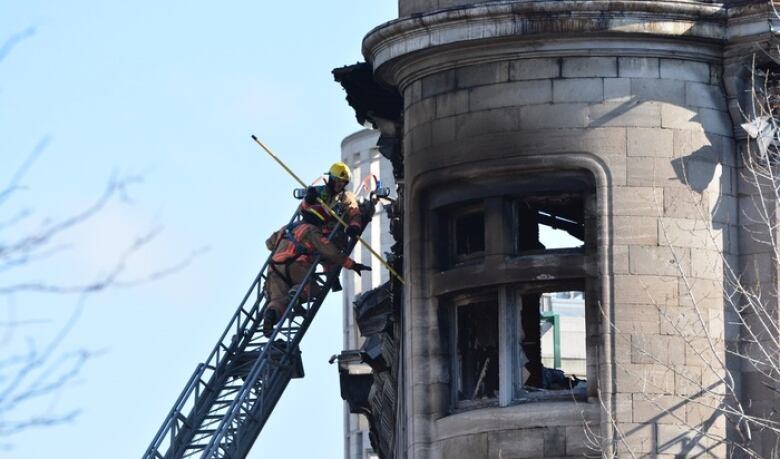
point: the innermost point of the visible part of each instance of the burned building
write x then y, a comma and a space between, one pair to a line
369, 168
609, 124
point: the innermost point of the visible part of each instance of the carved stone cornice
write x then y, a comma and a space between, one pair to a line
570, 27
520, 20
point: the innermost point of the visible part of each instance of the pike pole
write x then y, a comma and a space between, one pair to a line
330, 211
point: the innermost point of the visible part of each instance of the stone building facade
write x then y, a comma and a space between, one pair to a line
611, 120
359, 152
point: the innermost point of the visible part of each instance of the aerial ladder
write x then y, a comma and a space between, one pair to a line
229, 398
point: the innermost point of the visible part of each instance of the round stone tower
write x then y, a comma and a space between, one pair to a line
579, 149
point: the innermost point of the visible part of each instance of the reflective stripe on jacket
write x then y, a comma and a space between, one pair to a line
289, 251
309, 238
346, 199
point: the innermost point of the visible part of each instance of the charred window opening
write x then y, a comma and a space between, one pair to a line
531, 343
511, 262
564, 349
477, 351
553, 344
470, 234
550, 222
518, 343
466, 234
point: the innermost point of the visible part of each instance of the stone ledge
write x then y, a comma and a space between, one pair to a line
524, 416
513, 18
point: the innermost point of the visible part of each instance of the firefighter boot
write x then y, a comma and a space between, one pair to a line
298, 309
270, 318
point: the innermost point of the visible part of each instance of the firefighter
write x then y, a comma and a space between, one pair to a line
335, 195
297, 248
342, 201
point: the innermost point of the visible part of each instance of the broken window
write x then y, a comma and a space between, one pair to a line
512, 344
550, 222
553, 347
477, 351
467, 233
512, 265
563, 332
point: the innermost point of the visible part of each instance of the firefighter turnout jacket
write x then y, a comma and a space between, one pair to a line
344, 201
302, 243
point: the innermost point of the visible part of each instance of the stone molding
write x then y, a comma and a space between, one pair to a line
498, 30
604, 386
524, 416
751, 23
517, 18
406, 69
751, 39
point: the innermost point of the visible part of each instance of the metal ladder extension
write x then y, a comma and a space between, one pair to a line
229, 398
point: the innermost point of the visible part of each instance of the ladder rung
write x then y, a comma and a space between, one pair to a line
218, 387
201, 446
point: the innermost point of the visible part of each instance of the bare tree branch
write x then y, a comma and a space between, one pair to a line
709, 378
32, 375
13, 184
14, 40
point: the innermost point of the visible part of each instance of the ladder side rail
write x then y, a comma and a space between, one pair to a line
239, 342
169, 423
213, 385
213, 365
259, 365
243, 408
261, 409
203, 406
203, 409
171, 418
236, 319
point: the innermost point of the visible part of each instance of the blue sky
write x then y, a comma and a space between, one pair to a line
171, 90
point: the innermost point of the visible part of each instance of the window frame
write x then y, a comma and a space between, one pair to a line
511, 367
455, 302
513, 273
454, 258
518, 200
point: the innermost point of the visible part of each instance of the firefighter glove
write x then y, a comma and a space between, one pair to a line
311, 195
353, 231
358, 268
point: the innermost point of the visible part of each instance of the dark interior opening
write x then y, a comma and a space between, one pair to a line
530, 318
767, 81
478, 351
550, 222
469, 234
553, 326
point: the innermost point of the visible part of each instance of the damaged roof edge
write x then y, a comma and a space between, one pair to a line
367, 96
